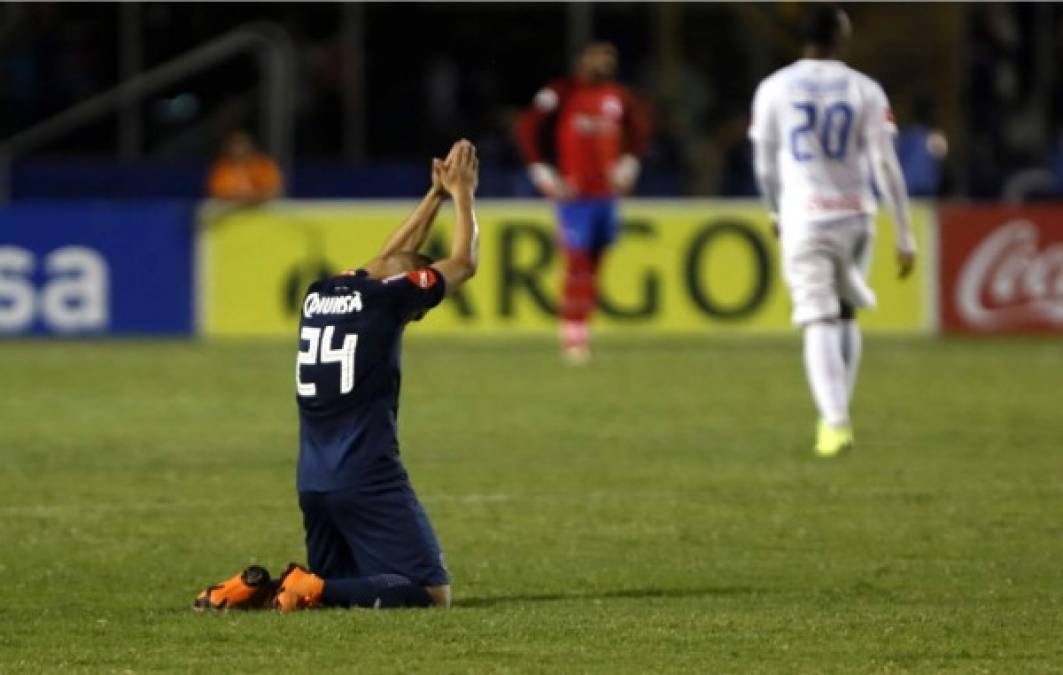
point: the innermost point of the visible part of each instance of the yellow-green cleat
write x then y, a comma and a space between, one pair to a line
832, 441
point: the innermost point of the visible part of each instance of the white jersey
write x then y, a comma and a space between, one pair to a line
818, 117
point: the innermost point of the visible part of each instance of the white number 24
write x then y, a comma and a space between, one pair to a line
343, 356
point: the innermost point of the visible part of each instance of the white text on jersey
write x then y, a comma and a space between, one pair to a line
332, 304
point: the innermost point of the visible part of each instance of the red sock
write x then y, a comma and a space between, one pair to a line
579, 293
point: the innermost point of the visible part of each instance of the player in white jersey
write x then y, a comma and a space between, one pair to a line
821, 131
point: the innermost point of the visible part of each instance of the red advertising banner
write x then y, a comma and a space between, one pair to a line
1001, 269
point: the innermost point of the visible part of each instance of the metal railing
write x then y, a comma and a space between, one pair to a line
276, 58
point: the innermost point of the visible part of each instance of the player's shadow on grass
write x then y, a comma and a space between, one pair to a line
628, 594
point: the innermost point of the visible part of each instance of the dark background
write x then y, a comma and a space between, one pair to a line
379, 86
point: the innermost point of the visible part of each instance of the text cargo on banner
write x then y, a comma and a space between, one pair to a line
688, 266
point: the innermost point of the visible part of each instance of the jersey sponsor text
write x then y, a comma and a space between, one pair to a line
332, 304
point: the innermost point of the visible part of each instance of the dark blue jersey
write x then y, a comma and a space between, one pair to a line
347, 375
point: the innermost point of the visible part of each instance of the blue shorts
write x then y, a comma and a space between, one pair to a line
366, 531
589, 225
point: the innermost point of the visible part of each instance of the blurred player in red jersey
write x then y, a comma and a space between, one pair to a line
600, 132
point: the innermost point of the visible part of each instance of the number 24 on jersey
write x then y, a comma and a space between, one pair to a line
343, 356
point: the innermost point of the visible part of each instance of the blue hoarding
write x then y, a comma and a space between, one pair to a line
96, 268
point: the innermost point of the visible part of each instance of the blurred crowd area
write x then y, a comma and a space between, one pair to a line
975, 87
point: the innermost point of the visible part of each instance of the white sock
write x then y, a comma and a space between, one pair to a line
575, 334
826, 371
852, 346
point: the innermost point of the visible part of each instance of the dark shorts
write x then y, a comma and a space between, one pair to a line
588, 225
368, 531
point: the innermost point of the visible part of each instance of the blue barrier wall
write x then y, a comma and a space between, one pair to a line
97, 268
98, 179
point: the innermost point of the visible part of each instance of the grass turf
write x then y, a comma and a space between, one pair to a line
657, 511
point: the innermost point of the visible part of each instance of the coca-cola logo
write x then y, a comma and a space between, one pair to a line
1007, 280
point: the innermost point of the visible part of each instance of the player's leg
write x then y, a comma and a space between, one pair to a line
327, 555
301, 589
336, 578
852, 340
576, 219
829, 383
826, 370
809, 265
327, 552
394, 547
606, 231
852, 345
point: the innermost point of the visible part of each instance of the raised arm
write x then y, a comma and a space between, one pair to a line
460, 179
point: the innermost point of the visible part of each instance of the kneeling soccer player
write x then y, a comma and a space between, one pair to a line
369, 542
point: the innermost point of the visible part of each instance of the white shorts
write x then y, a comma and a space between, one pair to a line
826, 263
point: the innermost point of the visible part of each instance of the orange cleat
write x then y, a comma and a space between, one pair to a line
250, 589
299, 589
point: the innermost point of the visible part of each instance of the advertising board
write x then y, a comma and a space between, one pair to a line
96, 268
679, 266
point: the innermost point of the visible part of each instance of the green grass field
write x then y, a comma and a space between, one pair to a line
658, 511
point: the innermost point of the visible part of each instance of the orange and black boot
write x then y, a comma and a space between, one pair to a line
299, 589
250, 589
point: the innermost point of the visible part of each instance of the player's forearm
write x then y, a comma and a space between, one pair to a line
890, 182
465, 246
410, 236
464, 249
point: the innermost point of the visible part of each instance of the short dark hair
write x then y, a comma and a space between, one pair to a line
822, 25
